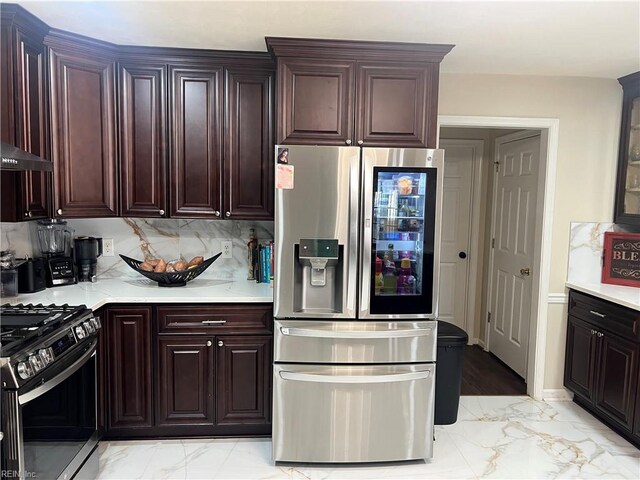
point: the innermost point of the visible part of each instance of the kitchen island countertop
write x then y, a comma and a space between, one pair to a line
626, 296
114, 290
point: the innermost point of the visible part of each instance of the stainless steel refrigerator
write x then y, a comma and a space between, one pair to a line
357, 235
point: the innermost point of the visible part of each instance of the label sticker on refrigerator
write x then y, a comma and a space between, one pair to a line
284, 177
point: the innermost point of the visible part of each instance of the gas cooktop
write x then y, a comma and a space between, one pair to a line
21, 325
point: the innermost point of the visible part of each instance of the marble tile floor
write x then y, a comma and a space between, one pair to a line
495, 437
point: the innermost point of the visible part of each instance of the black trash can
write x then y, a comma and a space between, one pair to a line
449, 361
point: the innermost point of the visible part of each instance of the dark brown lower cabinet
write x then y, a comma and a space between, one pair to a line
602, 361
185, 381
129, 383
212, 380
243, 380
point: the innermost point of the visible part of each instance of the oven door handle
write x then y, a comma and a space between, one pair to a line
57, 380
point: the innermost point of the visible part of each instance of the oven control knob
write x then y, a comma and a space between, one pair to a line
46, 354
25, 370
80, 332
88, 326
36, 362
95, 321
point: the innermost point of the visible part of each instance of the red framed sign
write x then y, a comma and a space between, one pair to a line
621, 265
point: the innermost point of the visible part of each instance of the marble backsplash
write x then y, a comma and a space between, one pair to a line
145, 237
585, 250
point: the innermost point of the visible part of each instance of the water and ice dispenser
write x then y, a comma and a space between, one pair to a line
318, 276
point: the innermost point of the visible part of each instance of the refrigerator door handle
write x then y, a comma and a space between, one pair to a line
366, 334
319, 378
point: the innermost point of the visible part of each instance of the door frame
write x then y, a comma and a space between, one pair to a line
549, 130
477, 168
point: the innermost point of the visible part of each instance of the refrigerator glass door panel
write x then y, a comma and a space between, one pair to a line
355, 342
316, 234
400, 242
353, 413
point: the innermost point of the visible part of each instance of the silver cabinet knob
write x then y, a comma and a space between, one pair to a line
59, 211
217, 213
600, 334
593, 332
360, 142
209, 343
228, 214
30, 214
220, 343
161, 212
348, 141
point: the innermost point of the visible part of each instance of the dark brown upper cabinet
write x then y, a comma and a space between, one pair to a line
338, 92
221, 137
627, 204
23, 111
196, 141
248, 148
142, 87
83, 119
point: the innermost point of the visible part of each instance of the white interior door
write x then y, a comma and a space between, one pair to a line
515, 189
459, 160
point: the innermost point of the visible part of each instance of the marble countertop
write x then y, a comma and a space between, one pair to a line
112, 290
626, 296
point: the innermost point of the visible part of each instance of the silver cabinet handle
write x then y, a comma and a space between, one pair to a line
348, 141
59, 211
396, 377
597, 314
360, 142
307, 332
161, 212
220, 343
209, 343
213, 322
228, 214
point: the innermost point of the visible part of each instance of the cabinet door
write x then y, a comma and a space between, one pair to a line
83, 134
396, 105
129, 368
32, 122
243, 380
315, 102
196, 142
617, 379
580, 358
142, 92
248, 166
185, 381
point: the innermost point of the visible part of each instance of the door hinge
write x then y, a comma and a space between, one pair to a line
489, 317
497, 164
493, 243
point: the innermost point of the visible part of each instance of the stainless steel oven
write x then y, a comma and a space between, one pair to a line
49, 424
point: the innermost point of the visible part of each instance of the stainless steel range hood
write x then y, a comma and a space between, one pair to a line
14, 159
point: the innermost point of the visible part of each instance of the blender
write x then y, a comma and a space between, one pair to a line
55, 239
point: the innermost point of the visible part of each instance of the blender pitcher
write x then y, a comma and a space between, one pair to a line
54, 237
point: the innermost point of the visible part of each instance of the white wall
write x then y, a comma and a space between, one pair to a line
589, 112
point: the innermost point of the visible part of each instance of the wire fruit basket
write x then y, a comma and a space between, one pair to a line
171, 279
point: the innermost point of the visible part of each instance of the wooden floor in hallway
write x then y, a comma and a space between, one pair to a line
484, 374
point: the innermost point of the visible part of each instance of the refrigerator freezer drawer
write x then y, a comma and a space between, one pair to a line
324, 413
303, 341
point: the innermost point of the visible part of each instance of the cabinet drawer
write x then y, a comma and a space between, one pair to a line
606, 315
210, 320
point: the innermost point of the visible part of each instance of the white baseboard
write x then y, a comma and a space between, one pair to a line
557, 395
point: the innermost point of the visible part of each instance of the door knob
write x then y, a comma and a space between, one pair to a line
525, 271
462, 255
